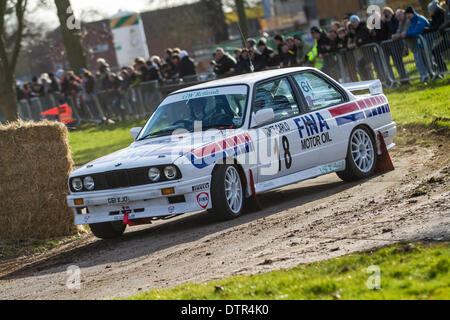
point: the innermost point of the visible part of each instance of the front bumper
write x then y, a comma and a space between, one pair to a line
143, 201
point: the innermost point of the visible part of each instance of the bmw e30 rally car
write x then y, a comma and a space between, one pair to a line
217, 145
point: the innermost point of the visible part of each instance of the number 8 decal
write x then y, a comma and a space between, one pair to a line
287, 153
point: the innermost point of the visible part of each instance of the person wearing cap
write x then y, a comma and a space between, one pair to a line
416, 28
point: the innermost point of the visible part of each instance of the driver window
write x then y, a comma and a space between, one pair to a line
277, 95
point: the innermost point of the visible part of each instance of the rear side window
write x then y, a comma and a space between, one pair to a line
279, 96
318, 92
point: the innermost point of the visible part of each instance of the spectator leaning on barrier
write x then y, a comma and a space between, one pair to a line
186, 66
361, 37
287, 56
88, 82
223, 63
437, 15
416, 28
279, 41
268, 55
243, 65
315, 56
395, 49
438, 43
55, 85
303, 49
153, 72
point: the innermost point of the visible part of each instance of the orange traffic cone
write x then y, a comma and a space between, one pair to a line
384, 162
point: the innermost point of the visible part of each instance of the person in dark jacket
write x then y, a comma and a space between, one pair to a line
417, 26
378, 34
154, 73
437, 14
88, 82
223, 63
361, 37
324, 47
288, 58
186, 66
394, 49
279, 41
268, 55
55, 85
243, 64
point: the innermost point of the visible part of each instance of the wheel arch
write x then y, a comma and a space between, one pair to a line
234, 161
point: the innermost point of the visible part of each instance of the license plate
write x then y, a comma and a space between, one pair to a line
118, 200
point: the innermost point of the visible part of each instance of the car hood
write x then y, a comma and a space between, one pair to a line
151, 152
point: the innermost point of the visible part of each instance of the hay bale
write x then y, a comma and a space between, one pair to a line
35, 163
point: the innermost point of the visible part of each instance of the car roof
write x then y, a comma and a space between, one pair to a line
248, 78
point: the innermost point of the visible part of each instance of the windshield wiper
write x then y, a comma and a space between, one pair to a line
219, 126
161, 133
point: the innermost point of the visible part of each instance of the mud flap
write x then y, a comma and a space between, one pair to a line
384, 162
254, 195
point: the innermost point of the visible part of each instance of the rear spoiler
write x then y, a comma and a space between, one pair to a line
374, 86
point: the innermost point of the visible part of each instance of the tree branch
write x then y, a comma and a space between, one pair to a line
20, 12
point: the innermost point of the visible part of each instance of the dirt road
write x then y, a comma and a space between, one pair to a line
310, 221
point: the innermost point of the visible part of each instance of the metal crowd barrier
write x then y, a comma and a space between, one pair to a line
393, 62
438, 44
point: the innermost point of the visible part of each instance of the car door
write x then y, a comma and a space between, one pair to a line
276, 140
322, 141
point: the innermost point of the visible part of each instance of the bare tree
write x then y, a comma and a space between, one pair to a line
240, 7
71, 33
9, 56
215, 17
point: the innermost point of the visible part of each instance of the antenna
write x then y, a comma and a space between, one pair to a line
244, 42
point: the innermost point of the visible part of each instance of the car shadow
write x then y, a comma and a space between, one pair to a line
183, 229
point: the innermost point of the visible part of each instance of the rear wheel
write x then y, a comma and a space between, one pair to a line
108, 230
227, 192
361, 156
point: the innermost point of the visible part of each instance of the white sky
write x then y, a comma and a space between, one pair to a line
107, 8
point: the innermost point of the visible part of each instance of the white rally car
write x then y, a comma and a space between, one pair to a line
217, 145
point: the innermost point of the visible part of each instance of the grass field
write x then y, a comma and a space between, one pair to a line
415, 105
407, 271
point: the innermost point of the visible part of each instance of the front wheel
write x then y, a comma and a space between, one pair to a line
108, 230
227, 192
361, 156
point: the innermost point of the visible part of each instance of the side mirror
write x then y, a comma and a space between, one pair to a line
262, 117
135, 132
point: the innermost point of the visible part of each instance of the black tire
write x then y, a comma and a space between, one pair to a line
222, 209
108, 230
352, 171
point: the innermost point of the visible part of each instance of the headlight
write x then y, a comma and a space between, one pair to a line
154, 174
77, 184
89, 183
170, 172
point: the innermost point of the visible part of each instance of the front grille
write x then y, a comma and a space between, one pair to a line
124, 178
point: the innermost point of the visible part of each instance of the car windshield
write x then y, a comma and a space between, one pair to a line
219, 108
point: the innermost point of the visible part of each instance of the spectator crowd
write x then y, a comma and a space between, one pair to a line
345, 35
